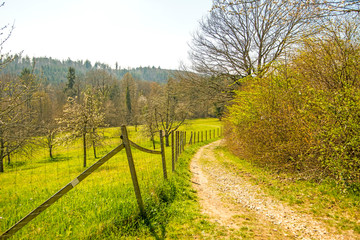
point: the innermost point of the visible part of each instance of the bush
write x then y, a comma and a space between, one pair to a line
305, 115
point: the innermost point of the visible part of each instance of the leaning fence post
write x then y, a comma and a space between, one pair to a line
191, 135
163, 154
126, 142
172, 152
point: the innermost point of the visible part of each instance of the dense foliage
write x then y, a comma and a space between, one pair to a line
305, 115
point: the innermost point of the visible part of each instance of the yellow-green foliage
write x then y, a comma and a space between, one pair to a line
305, 115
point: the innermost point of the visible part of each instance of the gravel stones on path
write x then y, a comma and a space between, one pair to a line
224, 195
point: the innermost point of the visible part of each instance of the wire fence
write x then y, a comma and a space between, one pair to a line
110, 189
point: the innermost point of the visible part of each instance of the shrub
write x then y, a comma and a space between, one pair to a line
305, 115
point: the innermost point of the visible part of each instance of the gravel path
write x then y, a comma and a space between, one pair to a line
223, 195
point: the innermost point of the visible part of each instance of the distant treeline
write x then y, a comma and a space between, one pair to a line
55, 71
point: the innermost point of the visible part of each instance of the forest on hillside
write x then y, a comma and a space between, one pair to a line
54, 71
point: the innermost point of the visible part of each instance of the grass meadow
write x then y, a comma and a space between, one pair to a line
103, 206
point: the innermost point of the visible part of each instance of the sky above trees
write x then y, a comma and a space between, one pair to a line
132, 33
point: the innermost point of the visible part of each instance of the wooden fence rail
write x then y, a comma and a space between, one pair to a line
33, 214
178, 142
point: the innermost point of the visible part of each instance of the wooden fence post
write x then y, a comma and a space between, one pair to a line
202, 136
180, 142
132, 169
176, 145
184, 141
84, 147
198, 135
191, 135
163, 154
172, 152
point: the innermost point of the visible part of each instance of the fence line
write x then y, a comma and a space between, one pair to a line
178, 142
33, 214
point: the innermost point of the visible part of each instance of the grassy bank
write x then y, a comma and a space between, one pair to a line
325, 200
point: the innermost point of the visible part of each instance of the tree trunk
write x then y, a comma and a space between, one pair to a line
94, 142
84, 146
9, 159
1, 162
94, 147
1, 155
50, 141
152, 138
167, 139
50, 151
153, 141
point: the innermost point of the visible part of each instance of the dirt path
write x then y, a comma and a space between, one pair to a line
242, 208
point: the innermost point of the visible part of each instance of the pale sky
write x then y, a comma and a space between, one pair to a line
131, 32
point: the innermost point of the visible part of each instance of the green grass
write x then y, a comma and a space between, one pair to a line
325, 200
103, 206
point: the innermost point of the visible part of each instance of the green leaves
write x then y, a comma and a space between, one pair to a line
305, 116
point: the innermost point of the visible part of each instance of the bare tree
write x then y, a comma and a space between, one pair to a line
5, 33
83, 119
147, 106
48, 109
170, 109
101, 80
331, 7
130, 98
242, 38
212, 92
16, 124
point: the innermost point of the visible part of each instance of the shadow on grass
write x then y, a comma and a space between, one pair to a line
16, 164
55, 159
134, 225
153, 230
